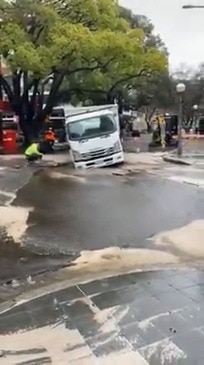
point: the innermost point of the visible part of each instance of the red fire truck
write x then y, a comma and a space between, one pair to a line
9, 129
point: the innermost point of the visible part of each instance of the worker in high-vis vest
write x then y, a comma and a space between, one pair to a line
32, 153
49, 140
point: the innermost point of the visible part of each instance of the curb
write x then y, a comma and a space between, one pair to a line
176, 161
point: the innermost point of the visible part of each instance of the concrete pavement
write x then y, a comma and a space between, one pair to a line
193, 153
192, 174
145, 318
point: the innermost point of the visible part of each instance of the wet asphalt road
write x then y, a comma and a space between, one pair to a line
72, 216
16, 261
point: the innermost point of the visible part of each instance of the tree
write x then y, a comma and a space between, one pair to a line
132, 63
160, 92
144, 58
157, 93
142, 22
85, 41
97, 14
194, 81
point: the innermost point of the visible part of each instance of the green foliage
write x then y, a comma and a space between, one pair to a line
98, 14
131, 62
90, 42
142, 22
39, 36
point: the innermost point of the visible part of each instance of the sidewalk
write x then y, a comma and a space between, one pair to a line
146, 318
185, 160
193, 153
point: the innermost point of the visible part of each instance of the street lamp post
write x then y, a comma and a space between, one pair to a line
180, 88
195, 111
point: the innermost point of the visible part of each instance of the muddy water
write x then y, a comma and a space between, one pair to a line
14, 220
188, 240
96, 212
93, 217
19, 262
114, 260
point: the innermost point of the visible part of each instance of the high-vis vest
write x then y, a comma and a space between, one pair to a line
32, 150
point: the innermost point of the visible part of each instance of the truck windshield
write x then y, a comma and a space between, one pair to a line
91, 127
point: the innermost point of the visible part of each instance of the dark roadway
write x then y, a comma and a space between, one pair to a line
71, 216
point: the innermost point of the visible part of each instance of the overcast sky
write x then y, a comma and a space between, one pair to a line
181, 30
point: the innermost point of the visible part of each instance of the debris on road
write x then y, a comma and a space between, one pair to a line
15, 283
119, 173
30, 280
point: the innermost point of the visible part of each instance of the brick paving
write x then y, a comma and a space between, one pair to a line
147, 318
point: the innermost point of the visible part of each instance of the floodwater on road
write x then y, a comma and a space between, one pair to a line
97, 212
102, 224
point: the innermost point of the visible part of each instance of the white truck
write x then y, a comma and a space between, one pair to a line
93, 134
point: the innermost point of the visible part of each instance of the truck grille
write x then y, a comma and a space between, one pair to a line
93, 155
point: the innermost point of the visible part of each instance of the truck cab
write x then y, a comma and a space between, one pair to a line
93, 134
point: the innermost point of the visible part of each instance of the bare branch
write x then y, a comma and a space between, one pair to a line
16, 80
109, 91
81, 90
127, 78
35, 90
98, 66
57, 80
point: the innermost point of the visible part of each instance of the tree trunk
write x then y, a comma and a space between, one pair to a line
38, 119
148, 116
1, 91
110, 98
120, 104
30, 119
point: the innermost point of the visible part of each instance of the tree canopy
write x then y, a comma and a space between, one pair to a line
142, 22
88, 43
194, 81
